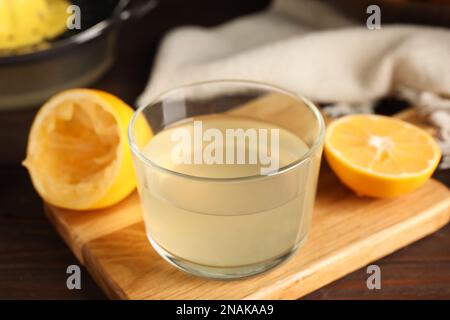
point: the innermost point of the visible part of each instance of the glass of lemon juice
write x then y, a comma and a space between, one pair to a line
228, 180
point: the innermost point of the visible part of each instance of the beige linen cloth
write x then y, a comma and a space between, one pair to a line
308, 48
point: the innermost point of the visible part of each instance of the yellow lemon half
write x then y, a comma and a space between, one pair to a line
379, 156
25, 22
78, 155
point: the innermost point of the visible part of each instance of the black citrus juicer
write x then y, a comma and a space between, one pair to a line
52, 49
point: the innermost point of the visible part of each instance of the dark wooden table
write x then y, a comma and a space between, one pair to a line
33, 258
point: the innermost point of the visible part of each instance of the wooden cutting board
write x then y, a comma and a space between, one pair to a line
348, 232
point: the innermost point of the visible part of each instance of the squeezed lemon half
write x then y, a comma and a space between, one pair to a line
78, 155
379, 156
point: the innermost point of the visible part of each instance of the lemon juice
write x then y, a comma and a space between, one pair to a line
221, 214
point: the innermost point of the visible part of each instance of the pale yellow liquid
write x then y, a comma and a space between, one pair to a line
223, 223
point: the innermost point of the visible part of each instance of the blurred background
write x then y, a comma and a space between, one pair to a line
32, 256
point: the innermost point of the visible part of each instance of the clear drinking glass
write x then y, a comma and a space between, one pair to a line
235, 200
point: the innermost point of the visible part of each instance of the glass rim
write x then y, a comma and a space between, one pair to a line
312, 150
